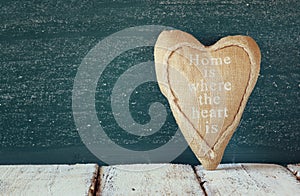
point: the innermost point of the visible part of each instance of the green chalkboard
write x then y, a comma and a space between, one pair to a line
44, 44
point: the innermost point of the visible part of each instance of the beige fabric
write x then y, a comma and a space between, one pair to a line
207, 87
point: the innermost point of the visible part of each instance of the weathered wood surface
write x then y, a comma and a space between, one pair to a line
148, 179
43, 43
249, 179
295, 169
48, 179
228, 179
160, 179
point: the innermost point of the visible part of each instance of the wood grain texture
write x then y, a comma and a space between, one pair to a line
48, 179
249, 179
147, 179
159, 179
295, 169
43, 43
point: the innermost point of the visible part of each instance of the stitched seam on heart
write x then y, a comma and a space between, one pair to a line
205, 50
222, 137
208, 150
204, 146
242, 104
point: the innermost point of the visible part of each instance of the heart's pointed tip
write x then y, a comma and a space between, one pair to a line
210, 166
211, 163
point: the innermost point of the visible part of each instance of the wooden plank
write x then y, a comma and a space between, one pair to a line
295, 169
48, 179
249, 179
43, 43
155, 179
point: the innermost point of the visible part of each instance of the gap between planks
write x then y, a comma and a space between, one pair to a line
295, 169
149, 179
171, 179
249, 179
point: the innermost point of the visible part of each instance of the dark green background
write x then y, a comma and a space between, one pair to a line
43, 43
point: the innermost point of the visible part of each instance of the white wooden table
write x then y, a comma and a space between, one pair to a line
149, 179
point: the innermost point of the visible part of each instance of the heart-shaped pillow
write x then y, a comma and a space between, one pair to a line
207, 87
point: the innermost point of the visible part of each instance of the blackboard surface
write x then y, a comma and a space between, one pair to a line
43, 44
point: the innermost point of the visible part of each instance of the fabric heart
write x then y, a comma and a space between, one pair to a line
207, 87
